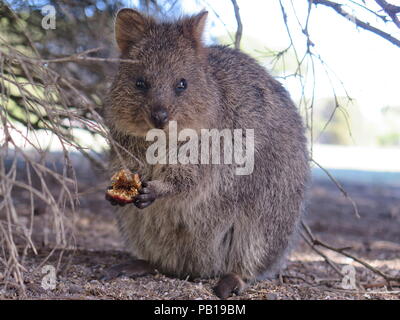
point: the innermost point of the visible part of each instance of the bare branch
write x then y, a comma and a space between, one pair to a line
339, 186
359, 23
316, 242
391, 10
239, 30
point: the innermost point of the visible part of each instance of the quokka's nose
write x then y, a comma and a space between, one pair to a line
159, 117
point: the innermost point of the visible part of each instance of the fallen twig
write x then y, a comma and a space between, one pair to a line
313, 241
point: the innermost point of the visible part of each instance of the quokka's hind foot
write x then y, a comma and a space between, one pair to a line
132, 269
228, 284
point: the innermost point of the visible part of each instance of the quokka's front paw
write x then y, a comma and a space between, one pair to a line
146, 196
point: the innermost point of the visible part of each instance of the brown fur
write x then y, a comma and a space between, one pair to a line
206, 220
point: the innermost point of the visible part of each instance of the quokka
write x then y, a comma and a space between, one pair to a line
197, 220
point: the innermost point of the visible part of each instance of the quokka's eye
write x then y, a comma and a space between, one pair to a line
141, 84
182, 85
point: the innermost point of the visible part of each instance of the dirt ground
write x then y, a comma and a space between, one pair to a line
375, 237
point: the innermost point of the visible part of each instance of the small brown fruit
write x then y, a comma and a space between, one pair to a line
124, 187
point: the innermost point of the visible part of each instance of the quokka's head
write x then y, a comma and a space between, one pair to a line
167, 80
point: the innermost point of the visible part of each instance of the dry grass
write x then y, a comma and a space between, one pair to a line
51, 102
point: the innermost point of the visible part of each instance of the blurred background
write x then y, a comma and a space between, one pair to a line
340, 61
344, 78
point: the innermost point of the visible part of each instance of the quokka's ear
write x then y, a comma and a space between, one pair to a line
193, 28
130, 26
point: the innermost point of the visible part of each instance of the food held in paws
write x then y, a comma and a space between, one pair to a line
124, 187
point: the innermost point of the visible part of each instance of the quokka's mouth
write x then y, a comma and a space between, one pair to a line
151, 125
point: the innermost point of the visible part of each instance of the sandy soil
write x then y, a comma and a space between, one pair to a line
375, 237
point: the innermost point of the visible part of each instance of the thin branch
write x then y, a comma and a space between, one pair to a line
239, 29
323, 255
359, 23
339, 186
316, 242
382, 17
391, 10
